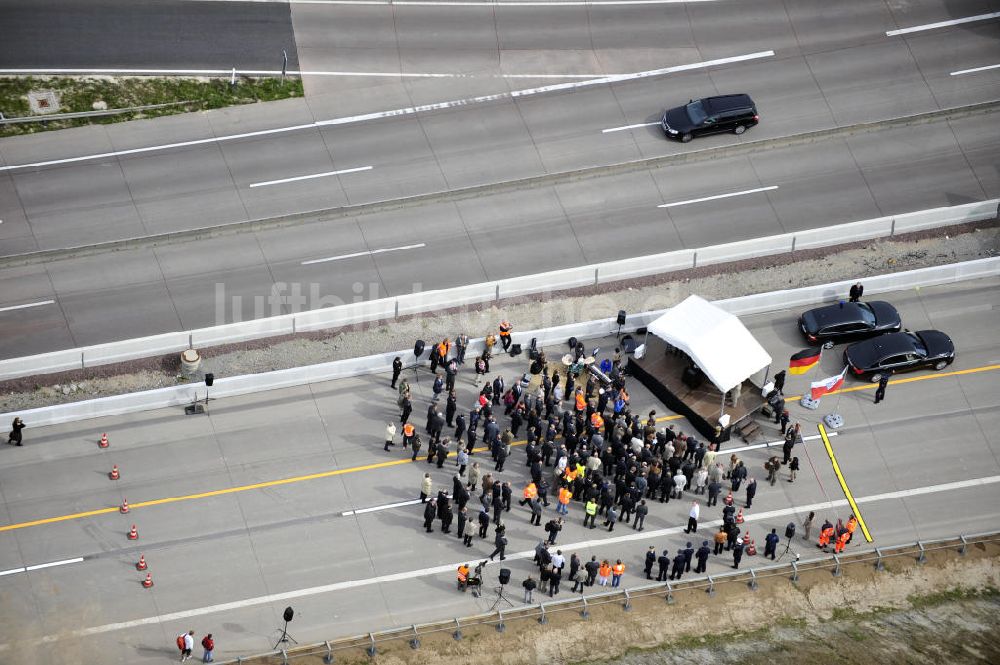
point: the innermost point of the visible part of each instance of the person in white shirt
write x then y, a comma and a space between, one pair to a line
692, 526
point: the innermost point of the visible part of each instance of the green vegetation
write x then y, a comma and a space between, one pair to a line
950, 596
78, 94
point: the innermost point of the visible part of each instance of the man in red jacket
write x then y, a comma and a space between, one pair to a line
208, 644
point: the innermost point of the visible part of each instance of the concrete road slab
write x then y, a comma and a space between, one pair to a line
228, 296
872, 82
259, 117
15, 232
240, 252
136, 311
938, 53
92, 273
438, 264
459, 28
740, 29
46, 146
980, 145
136, 134
559, 249
818, 29
642, 27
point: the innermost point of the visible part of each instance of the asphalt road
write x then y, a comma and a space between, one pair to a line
145, 34
229, 563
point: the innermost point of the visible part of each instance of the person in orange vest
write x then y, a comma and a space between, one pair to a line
571, 474
616, 573
603, 573
564, 497
852, 524
530, 493
596, 421
463, 577
505, 329
825, 535
841, 543
581, 400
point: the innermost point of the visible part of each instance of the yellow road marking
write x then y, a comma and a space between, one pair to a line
843, 483
381, 465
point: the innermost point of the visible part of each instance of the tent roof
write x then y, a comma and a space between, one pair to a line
715, 339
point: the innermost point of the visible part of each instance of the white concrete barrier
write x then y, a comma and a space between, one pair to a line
555, 338
387, 308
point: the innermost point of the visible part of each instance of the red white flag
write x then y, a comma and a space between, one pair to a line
828, 385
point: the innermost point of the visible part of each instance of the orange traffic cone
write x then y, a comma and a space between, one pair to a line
729, 499
124, 507
751, 548
133, 534
104, 441
142, 562
739, 516
148, 582
114, 473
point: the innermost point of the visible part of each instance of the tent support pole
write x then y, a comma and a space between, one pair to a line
722, 409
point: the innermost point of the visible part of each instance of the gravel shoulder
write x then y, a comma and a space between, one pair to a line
757, 275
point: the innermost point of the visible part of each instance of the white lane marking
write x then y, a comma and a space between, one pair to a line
450, 567
739, 449
624, 127
26, 305
473, 3
311, 176
39, 566
974, 70
52, 564
378, 508
942, 24
717, 196
411, 110
368, 253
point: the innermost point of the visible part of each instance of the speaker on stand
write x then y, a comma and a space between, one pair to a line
285, 637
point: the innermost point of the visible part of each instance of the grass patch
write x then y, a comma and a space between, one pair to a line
950, 596
78, 94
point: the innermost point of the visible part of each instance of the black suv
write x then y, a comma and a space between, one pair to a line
711, 115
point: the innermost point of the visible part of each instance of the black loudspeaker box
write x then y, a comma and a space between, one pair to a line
621, 317
572, 342
289, 613
790, 530
515, 350
209, 379
418, 347
505, 576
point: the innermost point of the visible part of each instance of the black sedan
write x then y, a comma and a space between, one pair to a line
900, 352
848, 321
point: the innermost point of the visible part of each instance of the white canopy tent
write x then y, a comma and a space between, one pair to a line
714, 339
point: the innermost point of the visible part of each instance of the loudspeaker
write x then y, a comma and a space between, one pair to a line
209, 379
692, 377
504, 575
572, 342
515, 350
621, 317
790, 530
418, 347
628, 344
641, 331
533, 349
289, 613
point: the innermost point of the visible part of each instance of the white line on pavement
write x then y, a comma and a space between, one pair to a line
942, 24
377, 508
717, 196
39, 566
311, 176
26, 305
450, 567
624, 127
411, 110
368, 253
474, 3
974, 70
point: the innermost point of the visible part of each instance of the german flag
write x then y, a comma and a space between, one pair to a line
803, 361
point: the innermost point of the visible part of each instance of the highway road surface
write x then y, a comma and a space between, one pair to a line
241, 513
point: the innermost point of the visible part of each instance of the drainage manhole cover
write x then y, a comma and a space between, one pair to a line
43, 101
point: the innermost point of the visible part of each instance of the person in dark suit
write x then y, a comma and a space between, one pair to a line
857, 290
397, 367
880, 391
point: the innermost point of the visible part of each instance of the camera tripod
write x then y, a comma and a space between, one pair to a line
501, 598
788, 548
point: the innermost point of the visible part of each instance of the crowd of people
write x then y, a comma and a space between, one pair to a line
584, 445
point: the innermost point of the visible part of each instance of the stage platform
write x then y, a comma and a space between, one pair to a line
661, 370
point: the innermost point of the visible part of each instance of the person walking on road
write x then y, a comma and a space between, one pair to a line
737, 553
880, 391
397, 367
426, 487
693, 514
185, 642
771, 544
529, 588
390, 434
751, 490
430, 512
500, 545
208, 644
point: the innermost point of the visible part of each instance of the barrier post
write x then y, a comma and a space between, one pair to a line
795, 571
584, 613
836, 571
670, 594
371, 650
328, 656
711, 587
923, 554
964, 547
543, 619
415, 640
628, 602
284, 657
500, 626
753, 580
879, 564
457, 635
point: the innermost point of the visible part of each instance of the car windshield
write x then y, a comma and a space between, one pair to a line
918, 344
696, 112
867, 315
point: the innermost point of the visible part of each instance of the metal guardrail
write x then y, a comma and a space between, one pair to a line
582, 604
387, 309
88, 114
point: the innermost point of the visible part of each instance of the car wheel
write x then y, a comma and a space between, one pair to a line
941, 364
875, 378
828, 344
686, 137
739, 129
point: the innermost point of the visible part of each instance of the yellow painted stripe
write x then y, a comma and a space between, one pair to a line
843, 483
381, 465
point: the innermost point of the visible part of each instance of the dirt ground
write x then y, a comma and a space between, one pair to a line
943, 610
758, 275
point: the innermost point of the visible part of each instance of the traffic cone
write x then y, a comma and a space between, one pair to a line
103, 443
729, 499
133, 534
148, 582
124, 507
751, 548
142, 562
739, 516
114, 473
